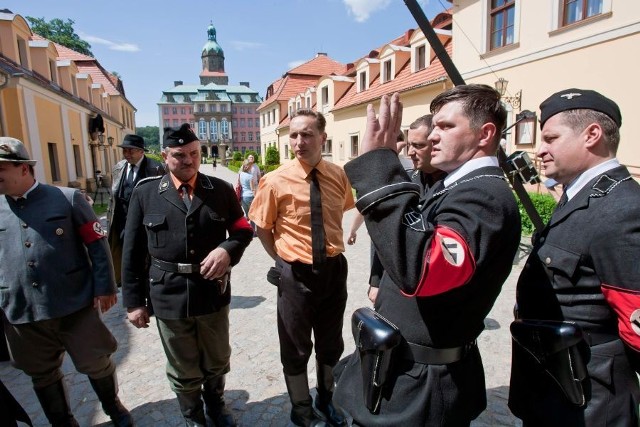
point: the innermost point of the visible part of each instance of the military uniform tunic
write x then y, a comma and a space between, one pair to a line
584, 268
445, 256
159, 225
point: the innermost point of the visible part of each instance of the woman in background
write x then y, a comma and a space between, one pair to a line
249, 184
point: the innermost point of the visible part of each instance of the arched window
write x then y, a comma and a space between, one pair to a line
224, 128
202, 129
213, 128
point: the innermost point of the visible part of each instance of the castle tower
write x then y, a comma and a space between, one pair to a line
213, 60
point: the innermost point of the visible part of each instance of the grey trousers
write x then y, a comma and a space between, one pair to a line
197, 349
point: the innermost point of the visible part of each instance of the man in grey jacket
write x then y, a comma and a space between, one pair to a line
56, 276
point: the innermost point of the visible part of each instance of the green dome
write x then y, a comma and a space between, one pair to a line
211, 46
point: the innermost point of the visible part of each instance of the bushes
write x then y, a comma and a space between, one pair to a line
544, 204
272, 157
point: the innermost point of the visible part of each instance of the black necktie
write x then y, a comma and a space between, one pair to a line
127, 188
563, 200
317, 224
184, 189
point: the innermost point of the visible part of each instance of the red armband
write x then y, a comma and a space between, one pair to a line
448, 264
626, 304
241, 224
91, 231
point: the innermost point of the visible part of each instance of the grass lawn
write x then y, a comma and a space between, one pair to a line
100, 209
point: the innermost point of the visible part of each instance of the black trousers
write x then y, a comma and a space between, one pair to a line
311, 302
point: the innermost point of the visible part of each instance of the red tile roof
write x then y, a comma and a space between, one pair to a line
300, 78
98, 76
321, 65
86, 64
402, 81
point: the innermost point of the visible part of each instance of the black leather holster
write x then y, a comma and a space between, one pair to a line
560, 349
375, 339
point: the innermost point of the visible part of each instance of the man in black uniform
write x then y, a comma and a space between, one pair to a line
423, 174
192, 228
125, 175
582, 277
446, 258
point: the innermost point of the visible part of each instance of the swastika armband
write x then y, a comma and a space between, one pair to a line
448, 264
91, 231
626, 304
241, 224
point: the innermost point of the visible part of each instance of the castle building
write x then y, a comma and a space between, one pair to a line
220, 114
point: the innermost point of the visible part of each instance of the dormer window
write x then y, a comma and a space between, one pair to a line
386, 76
421, 57
362, 79
54, 71
22, 52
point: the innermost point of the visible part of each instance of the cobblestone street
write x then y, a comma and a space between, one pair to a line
255, 386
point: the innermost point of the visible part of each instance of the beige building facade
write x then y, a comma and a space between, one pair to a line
534, 48
68, 110
546, 46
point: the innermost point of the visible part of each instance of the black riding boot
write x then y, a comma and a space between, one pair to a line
216, 409
192, 408
324, 397
107, 390
55, 404
301, 409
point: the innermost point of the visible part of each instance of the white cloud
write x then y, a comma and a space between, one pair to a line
294, 64
240, 45
122, 47
361, 9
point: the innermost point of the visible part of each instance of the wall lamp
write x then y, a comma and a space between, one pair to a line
501, 87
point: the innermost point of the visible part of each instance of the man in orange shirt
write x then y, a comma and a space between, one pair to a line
304, 236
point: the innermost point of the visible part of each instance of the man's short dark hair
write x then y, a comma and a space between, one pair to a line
426, 120
480, 103
578, 120
320, 120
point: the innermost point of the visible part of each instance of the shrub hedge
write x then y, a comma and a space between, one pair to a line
544, 204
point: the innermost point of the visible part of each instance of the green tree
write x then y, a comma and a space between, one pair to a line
151, 137
60, 32
272, 157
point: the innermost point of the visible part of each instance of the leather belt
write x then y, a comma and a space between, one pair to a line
175, 267
435, 356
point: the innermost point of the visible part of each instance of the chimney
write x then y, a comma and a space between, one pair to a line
321, 54
177, 83
244, 84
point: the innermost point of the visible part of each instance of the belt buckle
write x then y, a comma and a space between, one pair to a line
185, 268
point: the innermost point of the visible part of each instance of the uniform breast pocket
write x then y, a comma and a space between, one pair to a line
156, 225
55, 229
562, 263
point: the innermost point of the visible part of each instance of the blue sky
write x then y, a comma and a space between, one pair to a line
152, 43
